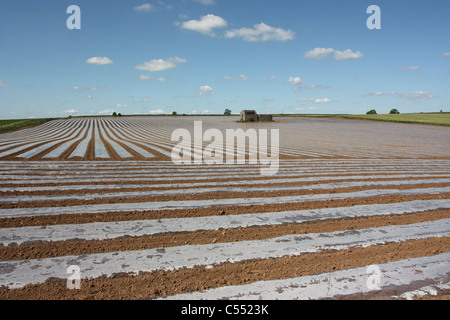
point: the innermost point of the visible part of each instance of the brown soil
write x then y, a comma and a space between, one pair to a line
37, 250
161, 283
178, 179
156, 188
208, 196
201, 212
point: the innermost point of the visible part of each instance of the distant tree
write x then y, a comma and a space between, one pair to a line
114, 114
227, 112
174, 113
394, 111
372, 111
119, 114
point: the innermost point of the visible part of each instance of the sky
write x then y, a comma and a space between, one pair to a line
204, 56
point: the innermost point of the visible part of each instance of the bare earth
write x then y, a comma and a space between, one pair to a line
72, 196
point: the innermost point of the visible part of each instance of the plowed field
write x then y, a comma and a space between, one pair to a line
102, 194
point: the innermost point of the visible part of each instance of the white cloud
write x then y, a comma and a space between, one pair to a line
164, 5
107, 111
3, 84
136, 100
206, 2
159, 111
205, 25
122, 105
69, 112
347, 55
143, 7
418, 95
322, 53
77, 88
160, 64
206, 111
295, 80
412, 96
261, 32
231, 78
318, 53
414, 68
313, 108
324, 100
206, 89
313, 86
379, 93
99, 60
272, 78
147, 77
446, 54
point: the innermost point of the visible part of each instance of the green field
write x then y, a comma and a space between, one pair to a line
440, 118
11, 125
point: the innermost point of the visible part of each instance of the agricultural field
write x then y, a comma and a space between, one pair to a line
356, 210
439, 119
11, 125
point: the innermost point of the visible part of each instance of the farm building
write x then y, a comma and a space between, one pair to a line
252, 115
249, 115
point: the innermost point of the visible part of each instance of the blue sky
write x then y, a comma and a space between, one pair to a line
202, 56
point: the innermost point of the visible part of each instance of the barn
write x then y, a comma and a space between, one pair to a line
253, 116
